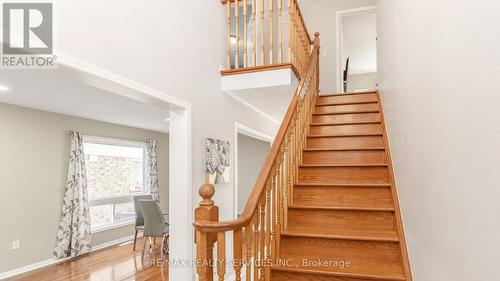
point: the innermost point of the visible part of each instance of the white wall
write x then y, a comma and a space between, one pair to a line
320, 15
34, 151
176, 47
357, 82
439, 63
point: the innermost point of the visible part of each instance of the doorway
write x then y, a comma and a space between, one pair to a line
180, 198
251, 150
357, 50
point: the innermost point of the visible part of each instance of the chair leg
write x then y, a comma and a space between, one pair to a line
135, 238
144, 247
168, 243
161, 247
150, 245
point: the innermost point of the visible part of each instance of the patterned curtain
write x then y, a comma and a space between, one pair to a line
73, 233
154, 188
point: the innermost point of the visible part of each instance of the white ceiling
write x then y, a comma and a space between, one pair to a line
360, 42
59, 92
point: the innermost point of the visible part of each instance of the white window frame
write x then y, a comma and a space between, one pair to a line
114, 200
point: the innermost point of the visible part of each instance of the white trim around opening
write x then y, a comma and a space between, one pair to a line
180, 153
339, 16
180, 156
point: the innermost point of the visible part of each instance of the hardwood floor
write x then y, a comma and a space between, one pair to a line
111, 264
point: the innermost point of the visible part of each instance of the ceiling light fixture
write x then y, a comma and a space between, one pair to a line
3, 88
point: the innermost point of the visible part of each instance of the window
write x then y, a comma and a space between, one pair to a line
115, 173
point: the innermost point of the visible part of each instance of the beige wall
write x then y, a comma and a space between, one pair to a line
320, 15
251, 156
33, 165
361, 81
439, 63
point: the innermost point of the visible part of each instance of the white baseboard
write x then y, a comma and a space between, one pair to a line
30, 267
53, 261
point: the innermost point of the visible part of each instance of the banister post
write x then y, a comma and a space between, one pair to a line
316, 39
206, 212
316, 44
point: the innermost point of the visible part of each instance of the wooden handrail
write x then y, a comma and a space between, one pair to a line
260, 184
253, 69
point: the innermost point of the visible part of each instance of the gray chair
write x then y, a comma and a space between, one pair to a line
139, 219
154, 223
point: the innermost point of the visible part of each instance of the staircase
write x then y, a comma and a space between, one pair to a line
344, 208
324, 206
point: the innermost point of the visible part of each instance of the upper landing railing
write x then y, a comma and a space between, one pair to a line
264, 35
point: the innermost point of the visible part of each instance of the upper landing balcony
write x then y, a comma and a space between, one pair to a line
268, 47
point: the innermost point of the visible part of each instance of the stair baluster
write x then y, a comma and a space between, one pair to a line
270, 21
245, 31
221, 255
237, 34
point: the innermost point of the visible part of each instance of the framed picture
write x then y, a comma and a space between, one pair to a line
217, 168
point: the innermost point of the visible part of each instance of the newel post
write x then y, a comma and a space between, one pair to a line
316, 44
206, 211
316, 39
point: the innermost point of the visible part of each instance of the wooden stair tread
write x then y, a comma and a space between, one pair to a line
352, 197
346, 135
344, 185
343, 173
376, 258
344, 123
342, 165
344, 156
341, 129
346, 94
347, 118
342, 234
338, 274
347, 231
346, 221
326, 141
341, 208
344, 103
347, 112
344, 149
346, 108
313, 226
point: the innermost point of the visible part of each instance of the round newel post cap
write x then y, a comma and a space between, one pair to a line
316, 39
207, 191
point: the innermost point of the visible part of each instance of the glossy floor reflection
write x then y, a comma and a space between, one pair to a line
112, 264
